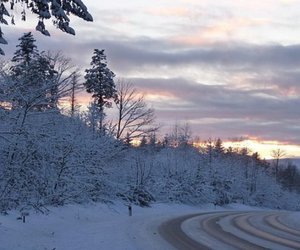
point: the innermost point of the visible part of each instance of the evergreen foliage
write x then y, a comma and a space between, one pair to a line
27, 50
100, 83
99, 80
32, 77
58, 10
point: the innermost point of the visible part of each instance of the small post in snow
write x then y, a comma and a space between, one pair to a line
24, 214
130, 210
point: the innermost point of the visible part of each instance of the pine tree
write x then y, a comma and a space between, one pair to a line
23, 74
2, 41
25, 54
58, 10
218, 147
32, 76
99, 80
100, 83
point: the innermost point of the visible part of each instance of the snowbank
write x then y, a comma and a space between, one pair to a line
93, 226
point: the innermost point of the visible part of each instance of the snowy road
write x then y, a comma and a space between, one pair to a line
233, 230
106, 226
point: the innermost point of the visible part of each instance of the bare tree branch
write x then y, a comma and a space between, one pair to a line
135, 118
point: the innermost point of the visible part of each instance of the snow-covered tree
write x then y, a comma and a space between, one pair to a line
26, 52
36, 80
94, 118
99, 81
58, 10
32, 77
76, 86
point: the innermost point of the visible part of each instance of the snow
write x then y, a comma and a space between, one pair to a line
93, 226
291, 219
227, 226
191, 226
106, 226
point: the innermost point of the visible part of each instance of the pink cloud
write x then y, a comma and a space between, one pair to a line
167, 12
219, 31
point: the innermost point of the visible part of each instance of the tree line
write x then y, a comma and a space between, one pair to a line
53, 156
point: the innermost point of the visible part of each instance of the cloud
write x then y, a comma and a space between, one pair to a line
252, 89
272, 69
221, 30
127, 55
170, 11
236, 56
223, 112
151, 56
220, 101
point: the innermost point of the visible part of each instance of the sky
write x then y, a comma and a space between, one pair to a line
231, 68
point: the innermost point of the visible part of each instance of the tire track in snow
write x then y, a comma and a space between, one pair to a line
273, 221
242, 222
211, 226
231, 230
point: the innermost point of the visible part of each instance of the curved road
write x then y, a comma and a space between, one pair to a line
232, 230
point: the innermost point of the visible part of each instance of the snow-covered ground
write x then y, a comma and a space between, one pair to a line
94, 226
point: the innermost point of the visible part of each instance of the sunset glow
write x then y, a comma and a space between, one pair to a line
229, 68
265, 148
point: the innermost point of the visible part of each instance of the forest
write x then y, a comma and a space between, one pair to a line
56, 154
